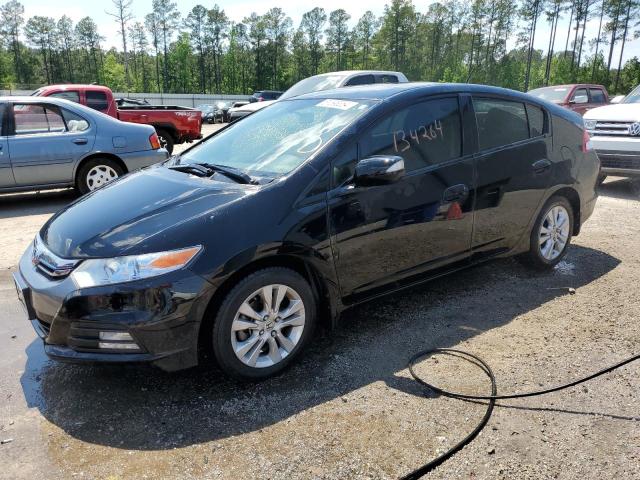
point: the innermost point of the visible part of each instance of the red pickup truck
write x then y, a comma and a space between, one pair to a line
174, 124
579, 97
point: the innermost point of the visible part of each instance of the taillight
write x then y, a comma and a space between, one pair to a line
586, 142
260, 99
154, 141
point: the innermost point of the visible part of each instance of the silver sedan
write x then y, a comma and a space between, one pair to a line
54, 143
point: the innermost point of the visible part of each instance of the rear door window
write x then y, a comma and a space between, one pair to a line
500, 122
97, 100
361, 80
597, 96
537, 121
423, 134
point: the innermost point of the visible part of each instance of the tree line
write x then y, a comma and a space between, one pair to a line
204, 51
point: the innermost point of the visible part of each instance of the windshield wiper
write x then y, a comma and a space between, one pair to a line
192, 168
207, 169
230, 172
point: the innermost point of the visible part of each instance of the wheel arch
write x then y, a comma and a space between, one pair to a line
574, 200
110, 156
326, 308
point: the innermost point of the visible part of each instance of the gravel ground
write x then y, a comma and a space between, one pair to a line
349, 409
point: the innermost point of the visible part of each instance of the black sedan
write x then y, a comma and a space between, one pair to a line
242, 244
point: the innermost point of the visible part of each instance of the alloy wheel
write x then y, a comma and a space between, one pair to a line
268, 326
99, 175
554, 232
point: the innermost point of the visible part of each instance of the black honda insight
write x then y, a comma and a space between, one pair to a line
239, 246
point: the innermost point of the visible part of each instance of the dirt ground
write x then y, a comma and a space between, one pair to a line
348, 410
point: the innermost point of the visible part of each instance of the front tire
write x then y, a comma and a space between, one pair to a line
264, 324
551, 234
97, 172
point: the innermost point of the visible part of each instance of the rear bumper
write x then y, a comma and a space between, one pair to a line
136, 160
162, 316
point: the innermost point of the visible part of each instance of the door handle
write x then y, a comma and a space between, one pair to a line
80, 141
455, 193
541, 166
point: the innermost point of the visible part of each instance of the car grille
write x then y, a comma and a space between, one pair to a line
620, 162
612, 128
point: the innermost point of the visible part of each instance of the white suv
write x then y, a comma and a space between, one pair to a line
615, 135
324, 81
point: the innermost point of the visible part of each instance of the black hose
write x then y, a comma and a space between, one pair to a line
484, 366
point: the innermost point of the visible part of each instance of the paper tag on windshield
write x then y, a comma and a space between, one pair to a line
339, 104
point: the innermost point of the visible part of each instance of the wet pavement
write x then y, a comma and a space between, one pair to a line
348, 409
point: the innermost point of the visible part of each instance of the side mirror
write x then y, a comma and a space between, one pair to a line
378, 170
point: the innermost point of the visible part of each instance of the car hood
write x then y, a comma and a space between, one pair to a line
155, 209
622, 112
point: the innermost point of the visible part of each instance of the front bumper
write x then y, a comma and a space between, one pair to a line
618, 155
162, 315
136, 160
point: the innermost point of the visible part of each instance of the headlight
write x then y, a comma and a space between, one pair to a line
107, 271
590, 124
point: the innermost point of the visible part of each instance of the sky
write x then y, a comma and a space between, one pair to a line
238, 9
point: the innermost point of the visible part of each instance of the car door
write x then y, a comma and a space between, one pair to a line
6, 173
514, 169
44, 145
389, 233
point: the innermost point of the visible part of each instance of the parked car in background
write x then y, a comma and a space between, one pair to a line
615, 135
173, 124
578, 97
53, 143
264, 95
325, 81
617, 99
221, 112
244, 242
208, 112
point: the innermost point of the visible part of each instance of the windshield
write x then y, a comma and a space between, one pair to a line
313, 84
553, 94
275, 140
633, 97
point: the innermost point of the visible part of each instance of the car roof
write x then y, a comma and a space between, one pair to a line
384, 91
572, 85
34, 99
417, 90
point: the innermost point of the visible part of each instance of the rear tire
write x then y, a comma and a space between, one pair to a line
253, 340
551, 235
97, 172
166, 140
